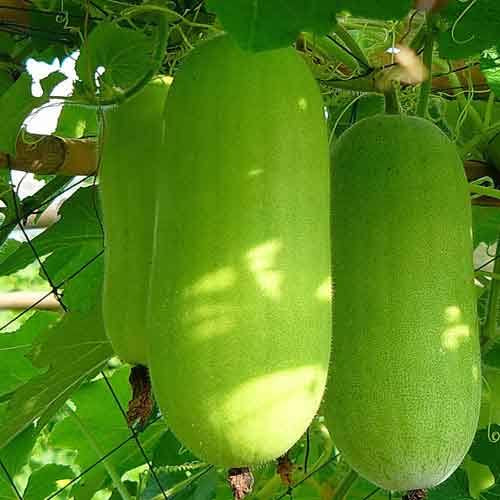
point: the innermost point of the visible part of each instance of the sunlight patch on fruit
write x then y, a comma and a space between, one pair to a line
475, 372
282, 393
255, 172
324, 291
216, 281
456, 334
452, 314
261, 261
213, 319
303, 104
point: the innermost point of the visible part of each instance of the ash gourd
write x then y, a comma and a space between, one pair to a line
133, 149
404, 390
240, 315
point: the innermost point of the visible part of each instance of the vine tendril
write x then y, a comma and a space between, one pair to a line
457, 21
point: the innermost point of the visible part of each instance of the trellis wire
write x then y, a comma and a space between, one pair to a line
54, 290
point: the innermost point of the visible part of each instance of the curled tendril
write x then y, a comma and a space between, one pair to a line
459, 18
493, 436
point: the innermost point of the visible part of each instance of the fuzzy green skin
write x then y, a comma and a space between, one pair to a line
132, 148
240, 325
404, 391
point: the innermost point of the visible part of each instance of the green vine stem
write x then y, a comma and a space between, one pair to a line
488, 113
351, 44
392, 106
156, 58
330, 50
426, 87
489, 334
484, 191
182, 484
110, 469
273, 484
345, 485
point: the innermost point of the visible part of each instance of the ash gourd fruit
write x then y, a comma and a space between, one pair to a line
404, 391
240, 314
133, 148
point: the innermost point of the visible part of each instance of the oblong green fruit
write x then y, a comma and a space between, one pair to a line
239, 315
404, 393
132, 148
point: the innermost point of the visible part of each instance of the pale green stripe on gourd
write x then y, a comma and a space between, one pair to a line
404, 390
239, 312
132, 150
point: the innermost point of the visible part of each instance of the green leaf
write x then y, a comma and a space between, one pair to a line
490, 400
455, 487
490, 67
74, 350
474, 26
15, 368
17, 103
122, 53
266, 24
485, 225
492, 358
376, 9
485, 450
97, 427
78, 226
44, 481
76, 122
171, 452
83, 292
13, 458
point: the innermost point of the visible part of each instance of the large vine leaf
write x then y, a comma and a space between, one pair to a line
17, 103
94, 430
474, 26
121, 55
490, 67
74, 350
455, 487
486, 450
269, 24
44, 481
13, 458
77, 227
15, 368
376, 9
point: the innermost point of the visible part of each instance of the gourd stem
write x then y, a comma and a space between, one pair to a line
351, 44
426, 87
489, 330
345, 485
392, 101
110, 469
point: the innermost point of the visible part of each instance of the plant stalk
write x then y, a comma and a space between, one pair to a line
110, 469
489, 329
426, 87
345, 485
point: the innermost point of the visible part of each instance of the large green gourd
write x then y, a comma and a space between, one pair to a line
132, 149
239, 314
404, 391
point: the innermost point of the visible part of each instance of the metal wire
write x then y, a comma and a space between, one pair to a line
11, 480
